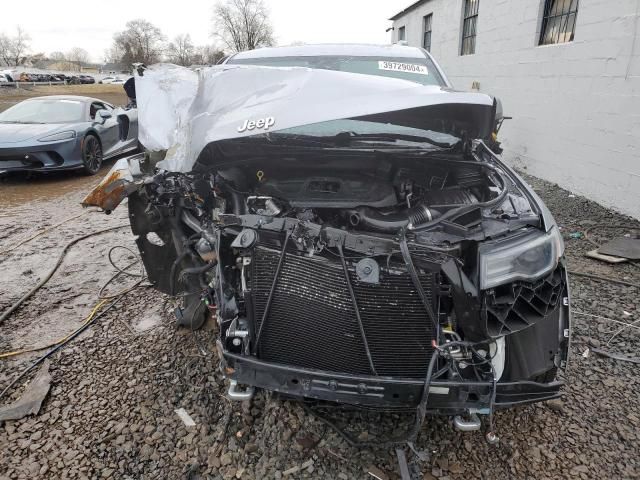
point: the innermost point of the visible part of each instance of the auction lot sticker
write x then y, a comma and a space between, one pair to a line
402, 67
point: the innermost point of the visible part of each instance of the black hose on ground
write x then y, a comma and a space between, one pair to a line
603, 279
48, 276
60, 345
421, 412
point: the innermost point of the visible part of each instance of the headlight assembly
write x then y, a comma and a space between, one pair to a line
56, 137
527, 257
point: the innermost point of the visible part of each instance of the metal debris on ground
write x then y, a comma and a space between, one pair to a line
31, 399
624, 247
595, 254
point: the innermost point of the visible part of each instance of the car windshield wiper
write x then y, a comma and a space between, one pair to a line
349, 139
391, 138
291, 139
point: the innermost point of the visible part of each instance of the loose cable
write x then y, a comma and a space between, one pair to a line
101, 296
48, 276
603, 279
60, 345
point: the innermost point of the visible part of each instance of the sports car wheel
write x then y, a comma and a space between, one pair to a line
91, 155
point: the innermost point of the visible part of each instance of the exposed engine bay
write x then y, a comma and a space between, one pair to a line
396, 262
375, 253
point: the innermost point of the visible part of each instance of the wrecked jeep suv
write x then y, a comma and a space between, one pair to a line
339, 211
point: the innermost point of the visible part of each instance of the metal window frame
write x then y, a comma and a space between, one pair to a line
566, 15
402, 29
469, 27
427, 23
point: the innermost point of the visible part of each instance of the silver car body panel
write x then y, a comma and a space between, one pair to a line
182, 111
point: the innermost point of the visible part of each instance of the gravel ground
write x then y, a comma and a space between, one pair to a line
110, 412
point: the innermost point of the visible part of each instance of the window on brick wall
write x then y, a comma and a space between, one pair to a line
469, 25
558, 21
426, 36
402, 34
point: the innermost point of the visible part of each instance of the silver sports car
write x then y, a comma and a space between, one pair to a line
63, 132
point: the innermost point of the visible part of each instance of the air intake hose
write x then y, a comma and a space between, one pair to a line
372, 219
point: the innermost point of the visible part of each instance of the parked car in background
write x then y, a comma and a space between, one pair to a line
107, 80
63, 132
81, 79
118, 81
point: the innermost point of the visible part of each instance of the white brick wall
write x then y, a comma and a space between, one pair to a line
576, 106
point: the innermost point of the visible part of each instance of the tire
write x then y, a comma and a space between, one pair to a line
91, 155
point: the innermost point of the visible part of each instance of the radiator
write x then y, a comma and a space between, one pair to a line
312, 322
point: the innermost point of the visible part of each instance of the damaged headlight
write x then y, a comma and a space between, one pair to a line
527, 257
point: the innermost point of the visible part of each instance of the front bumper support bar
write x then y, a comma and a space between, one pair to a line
445, 396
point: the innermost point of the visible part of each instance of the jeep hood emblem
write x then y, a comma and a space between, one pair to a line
264, 123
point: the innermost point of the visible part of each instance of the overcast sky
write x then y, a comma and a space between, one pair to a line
55, 25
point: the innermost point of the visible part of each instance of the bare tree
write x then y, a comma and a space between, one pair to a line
39, 60
5, 48
113, 54
242, 24
181, 50
57, 56
141, 41
77, 57
13, 50
207, 55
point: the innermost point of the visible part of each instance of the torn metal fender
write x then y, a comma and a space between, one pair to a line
119, 183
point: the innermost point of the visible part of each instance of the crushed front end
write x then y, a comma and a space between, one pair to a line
385, 260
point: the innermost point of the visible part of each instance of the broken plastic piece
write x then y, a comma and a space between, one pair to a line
605, 258
624, 247
116, 186
33, 396
185, 417
402, 463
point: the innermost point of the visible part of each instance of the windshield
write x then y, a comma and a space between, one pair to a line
44, 111
419, 70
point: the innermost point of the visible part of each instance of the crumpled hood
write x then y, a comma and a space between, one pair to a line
182, 111
19, 132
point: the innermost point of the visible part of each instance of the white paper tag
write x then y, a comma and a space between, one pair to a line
185, 417
403, 67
